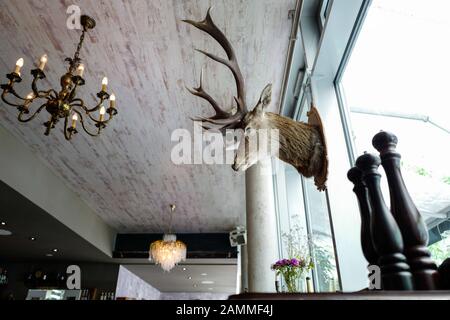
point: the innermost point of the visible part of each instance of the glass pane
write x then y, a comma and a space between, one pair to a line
440, 242
325, 272
290, 209
397, 80
324, 259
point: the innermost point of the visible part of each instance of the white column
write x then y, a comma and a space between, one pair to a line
262, 249
244, 269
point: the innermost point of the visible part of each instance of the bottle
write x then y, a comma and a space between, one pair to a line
309, 285
332, 285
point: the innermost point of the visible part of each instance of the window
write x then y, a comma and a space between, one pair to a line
319, 224
324, 10
300, 204
439, 244
397, 80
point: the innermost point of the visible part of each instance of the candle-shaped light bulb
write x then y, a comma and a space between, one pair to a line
104, 83
80, 70
102, 113
112, 100
19, 65
74, 120
43, 62
29, 99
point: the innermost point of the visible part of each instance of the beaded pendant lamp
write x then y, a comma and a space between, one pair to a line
169, 251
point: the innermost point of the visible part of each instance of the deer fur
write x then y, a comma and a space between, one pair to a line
300, 144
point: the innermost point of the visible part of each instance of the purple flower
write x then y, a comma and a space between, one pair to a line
277, 265
294, 262
302, 263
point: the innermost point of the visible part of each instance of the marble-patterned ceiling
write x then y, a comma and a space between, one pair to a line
126, 174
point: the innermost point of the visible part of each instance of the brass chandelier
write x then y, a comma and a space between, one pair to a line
63, 104
169, 251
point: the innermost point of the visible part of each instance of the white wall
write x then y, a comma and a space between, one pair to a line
131, 286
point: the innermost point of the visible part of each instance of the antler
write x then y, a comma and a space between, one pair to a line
222, 118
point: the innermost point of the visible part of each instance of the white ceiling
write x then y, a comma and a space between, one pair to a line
126, 174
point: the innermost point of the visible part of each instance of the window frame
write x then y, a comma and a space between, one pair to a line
319, 51
340, 93
343, 106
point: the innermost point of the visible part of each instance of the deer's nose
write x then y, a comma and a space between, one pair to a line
234, 167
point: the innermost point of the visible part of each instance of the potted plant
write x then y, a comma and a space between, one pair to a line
298, 262
292, 270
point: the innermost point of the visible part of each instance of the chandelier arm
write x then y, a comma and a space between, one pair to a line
49, 93
83, 125
21, 113
27, 101
77, 102
88, 110
42, 93
67, 133
97, 107
81, 105
45, 94
11, 103
73, 92
35, 92
88, 113
15, 94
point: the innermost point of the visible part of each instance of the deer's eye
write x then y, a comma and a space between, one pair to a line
248, 130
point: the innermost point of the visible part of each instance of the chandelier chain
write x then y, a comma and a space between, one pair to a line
76, 58
172, 209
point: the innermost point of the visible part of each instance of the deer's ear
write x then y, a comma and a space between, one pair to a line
264, 100
266, 96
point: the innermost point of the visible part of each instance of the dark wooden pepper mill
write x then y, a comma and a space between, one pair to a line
386, 236
412, 227
362, 194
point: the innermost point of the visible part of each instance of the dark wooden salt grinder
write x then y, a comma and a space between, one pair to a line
412, 227
386, 236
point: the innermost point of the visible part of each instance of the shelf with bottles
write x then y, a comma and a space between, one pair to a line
97, 294
40, 279
3, 277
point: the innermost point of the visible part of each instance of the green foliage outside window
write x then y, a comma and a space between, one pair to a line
440, 250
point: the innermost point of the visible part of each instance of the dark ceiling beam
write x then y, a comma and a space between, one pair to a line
199, 245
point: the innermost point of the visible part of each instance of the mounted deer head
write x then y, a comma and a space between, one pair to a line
300, 144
